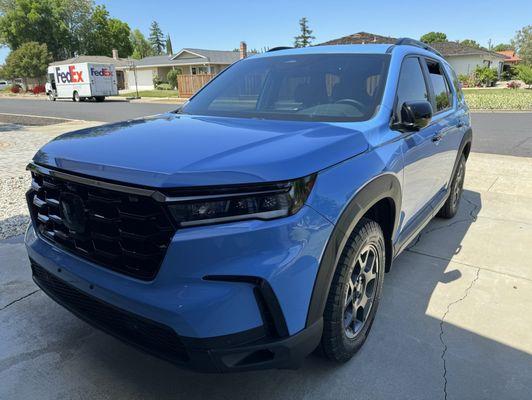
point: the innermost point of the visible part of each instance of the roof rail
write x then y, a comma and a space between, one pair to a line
417, 43
279, 48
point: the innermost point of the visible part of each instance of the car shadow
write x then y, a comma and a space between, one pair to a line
412, 352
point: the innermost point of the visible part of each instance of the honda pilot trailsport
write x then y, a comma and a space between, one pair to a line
255, 223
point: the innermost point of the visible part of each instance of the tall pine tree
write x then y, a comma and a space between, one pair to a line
156, 38
305, 38
169, 49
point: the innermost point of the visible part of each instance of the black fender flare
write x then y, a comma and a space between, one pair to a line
382, 187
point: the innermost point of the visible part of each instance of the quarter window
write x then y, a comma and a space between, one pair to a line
412, 85
442, 94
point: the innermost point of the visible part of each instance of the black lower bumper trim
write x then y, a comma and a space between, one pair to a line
249, 350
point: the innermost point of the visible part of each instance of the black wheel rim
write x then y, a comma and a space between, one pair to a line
458, 185
361, 290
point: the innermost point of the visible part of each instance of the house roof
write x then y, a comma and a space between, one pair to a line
510, 55
121, 62
447, 49
361, 38
210, 56
189, 56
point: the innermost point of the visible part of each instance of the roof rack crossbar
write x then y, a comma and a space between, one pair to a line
279, 48
413, 42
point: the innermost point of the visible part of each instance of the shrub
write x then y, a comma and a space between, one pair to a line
157, 80
486, 75
15, 89
164, 86
172, 77
467, 81
38, 89
524, 72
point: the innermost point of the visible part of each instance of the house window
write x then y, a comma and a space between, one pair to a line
200, 70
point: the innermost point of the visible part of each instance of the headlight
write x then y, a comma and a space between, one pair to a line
253, 202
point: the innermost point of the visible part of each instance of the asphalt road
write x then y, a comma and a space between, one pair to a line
496, 133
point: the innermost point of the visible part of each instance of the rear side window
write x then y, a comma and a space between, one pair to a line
457, 85
411, 85
442, 93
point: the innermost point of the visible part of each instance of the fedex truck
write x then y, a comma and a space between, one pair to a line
81, 81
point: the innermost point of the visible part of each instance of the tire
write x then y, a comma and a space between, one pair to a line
75, 97
354, 281
100, 98
51, 96
450, 207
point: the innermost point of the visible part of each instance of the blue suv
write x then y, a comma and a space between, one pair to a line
256, 223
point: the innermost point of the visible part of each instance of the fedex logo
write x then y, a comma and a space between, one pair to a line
105, 72
71, 76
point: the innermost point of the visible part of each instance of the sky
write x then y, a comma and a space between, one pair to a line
215, 24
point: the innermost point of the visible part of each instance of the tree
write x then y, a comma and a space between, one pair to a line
25, 21
119, 33
156, 38
102, 34
305, 38
470, 43
503, 47
523, 44
30, 60
433, 37
141, 47
169, 49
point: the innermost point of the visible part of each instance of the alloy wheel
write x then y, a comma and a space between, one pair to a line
360, 294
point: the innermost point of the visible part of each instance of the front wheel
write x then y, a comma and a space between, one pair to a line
355, 292
51, 96
75, 97
450, 207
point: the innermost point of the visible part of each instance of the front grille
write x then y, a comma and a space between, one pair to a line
127, 233
149, 335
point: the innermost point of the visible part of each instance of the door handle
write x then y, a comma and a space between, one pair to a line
437, 137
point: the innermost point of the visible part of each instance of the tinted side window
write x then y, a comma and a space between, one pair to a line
442, 94
411, 84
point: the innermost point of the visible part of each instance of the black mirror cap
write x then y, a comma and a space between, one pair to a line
415, 115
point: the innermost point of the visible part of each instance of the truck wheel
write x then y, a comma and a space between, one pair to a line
355, 292
100, 98
51, 96
75, 97
450, 207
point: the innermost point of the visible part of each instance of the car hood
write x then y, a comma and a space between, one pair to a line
172, 150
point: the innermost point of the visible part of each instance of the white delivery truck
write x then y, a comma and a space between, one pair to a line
81, 81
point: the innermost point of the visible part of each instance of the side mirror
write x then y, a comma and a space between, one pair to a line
415, 115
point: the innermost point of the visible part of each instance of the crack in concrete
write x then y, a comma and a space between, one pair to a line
472, 217
19, 299
442, 321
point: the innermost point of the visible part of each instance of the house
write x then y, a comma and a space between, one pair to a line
202, 63
512, 59
462, 58
120, 64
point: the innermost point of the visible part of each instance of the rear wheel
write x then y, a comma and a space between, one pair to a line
450, 207
75, 97
355, 292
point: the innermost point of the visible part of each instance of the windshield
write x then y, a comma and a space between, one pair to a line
310, 87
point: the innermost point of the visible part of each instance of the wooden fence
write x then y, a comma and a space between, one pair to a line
187, 85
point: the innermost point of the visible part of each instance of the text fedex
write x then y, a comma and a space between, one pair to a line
72, 75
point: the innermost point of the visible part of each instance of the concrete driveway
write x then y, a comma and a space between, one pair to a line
455, 321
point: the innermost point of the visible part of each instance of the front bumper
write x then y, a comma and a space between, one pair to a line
227, 297
231, 353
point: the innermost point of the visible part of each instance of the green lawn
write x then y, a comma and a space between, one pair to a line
152, 93
499, 99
